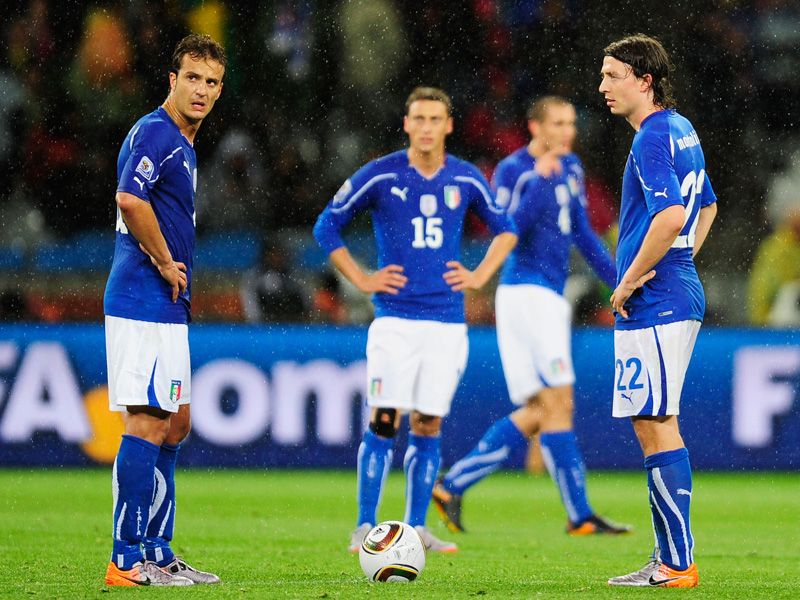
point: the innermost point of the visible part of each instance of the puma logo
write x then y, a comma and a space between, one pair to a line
401, 193
683, 492
664, 193
627, 397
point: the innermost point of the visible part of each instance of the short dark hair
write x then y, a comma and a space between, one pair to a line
646, 55
537, 111
198, 46
429, 93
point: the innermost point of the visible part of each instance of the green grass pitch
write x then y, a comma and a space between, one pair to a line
283, 534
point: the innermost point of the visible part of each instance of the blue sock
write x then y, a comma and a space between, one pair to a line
669, 479
499, 441
132, 487
564, 462
162, 511
421, 465
374, 462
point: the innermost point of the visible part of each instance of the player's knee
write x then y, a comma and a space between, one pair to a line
427, 425
178, 432
384, 422
148, 423
527, 418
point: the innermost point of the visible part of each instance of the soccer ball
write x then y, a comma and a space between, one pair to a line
392, 551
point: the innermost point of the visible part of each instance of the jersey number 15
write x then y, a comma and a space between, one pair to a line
427, 232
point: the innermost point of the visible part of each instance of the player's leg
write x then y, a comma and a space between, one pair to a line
391, 371
132, 351
444, 348
160, 529
564, 462
495, 446
421, 464
663, 353
374, 461
561, 454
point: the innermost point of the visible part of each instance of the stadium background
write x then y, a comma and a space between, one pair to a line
313, 90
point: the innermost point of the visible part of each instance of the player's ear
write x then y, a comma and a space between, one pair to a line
405, 123
535, 128
449, 125
173, 77
647, 82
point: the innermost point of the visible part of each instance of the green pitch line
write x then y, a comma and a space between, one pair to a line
283, 534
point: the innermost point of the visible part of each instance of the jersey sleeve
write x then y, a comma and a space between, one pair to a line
482, 201
146, 161
529, 195
591, 246
707, 195
356, 195
502, 183
655, 168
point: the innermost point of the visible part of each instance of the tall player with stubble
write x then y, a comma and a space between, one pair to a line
147, 308
667, 210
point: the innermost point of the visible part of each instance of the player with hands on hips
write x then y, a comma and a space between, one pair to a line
417, 344
666, 212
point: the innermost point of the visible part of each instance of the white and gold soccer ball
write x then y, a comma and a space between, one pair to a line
392, 551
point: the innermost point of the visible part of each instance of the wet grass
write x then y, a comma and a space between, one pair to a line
283, 534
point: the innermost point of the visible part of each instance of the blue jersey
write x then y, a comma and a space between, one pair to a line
157, 164
550, 216
418, 224
665, 167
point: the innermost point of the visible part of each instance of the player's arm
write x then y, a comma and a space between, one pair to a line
704, 221
460, 278
592, 247
142, 223
355, 195
663, 230
388, 280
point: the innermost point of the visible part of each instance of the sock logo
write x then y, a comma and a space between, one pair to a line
683, 492
375, 387
175, 390
139, 520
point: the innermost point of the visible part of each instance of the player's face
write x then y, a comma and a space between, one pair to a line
427, 124
557, 131
625, 93
196, 87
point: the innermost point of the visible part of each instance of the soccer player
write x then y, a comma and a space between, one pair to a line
542, 185
667, 209
147, 308
417, 344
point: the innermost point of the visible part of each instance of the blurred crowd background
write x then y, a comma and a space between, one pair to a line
315, 89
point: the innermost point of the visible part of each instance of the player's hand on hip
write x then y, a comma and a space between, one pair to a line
173, 272
460, 278
624, 291
548, 164
388, 280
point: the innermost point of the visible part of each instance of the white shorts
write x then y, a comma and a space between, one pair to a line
148, 364
533, 333
415, 365
650, 367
